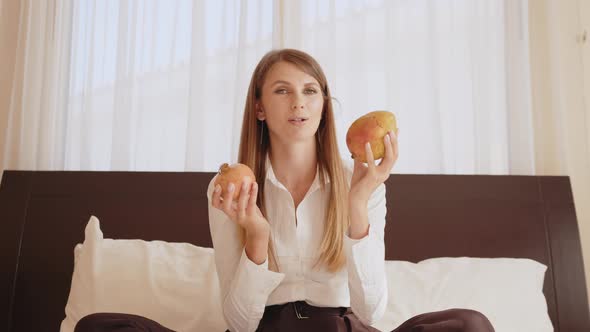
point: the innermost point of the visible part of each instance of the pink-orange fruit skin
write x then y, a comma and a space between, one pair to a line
371, 127
235, 174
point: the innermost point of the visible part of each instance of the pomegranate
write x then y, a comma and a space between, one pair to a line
235, 174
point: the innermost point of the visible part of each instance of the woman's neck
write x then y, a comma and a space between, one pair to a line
294, 165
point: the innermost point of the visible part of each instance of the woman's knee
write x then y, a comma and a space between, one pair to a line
107, 321
474, 321
89, 323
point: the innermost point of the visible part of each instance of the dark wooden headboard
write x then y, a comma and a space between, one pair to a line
43, 215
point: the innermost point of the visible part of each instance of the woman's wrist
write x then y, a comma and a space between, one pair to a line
257, 246
358, 213
258, 230
357, 200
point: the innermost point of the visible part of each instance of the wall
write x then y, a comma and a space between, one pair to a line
560, 82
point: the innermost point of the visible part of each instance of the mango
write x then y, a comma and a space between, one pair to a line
371, 127
235, 174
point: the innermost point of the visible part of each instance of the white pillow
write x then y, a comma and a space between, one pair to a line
509, 291
174, 284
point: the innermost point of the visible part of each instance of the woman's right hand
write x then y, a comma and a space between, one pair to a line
244, 212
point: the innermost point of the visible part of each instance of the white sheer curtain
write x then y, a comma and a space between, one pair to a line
160, 85
149, 85
448, 69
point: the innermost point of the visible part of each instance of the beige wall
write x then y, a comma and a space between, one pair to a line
560, 68
585, 42
9, 15
584, 7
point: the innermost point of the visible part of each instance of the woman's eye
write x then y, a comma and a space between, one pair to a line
306, 91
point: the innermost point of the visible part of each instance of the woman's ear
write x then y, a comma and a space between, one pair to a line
260, 112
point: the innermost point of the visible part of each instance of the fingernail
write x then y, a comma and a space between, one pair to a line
230, 187
368, 145
388, 137
217, 188
244, 184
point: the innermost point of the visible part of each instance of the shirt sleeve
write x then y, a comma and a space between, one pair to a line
366, 264
245, 285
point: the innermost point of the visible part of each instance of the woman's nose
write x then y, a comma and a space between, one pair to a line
297, 102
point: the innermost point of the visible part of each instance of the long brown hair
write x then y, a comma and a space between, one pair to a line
254, 146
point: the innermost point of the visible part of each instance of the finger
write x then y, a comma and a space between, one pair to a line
216, 199
357, 165
228, 198
370, 158
253, 197
243, 200
387, 160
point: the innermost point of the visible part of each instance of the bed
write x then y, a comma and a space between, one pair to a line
43, 215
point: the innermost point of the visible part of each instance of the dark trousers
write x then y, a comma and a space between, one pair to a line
299, 316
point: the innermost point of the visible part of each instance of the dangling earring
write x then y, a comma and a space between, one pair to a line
317, 138
261, 131
317, 134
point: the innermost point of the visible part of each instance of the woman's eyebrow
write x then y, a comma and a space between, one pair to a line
287, 83
279, 82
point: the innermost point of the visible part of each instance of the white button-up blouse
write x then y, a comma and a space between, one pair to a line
246, 287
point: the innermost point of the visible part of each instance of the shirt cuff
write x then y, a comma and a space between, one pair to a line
366, 275
366, 255
353, 241
253, 285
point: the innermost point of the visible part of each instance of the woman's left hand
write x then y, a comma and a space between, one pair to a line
366, 178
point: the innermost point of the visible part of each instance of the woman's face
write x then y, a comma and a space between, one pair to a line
291, 104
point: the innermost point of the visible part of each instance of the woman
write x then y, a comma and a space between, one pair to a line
302, 249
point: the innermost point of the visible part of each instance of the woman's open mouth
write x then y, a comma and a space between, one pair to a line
298, 121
